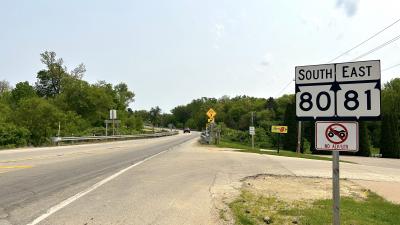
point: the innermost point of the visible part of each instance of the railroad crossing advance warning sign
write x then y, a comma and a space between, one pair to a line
341, 92
279, 129
336, 136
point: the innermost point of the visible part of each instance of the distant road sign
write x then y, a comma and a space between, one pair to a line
252, 130
113, 114
210, 120
211, 113
342, 91
279, 129
336, 136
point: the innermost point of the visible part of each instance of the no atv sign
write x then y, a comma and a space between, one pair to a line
336, 136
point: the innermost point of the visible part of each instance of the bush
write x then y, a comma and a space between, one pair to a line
12, 136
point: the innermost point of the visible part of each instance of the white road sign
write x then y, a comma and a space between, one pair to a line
342, 91
336, 136
252, 130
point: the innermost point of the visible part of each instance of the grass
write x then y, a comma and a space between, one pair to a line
250, 209
245, 148
375, 151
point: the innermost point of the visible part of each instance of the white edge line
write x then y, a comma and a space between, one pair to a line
71, 199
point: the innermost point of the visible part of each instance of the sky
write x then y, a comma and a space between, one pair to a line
171, 52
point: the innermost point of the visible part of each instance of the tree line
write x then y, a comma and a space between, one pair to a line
32, 113
234, 118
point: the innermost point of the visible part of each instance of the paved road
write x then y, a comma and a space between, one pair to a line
33, 180
104, 184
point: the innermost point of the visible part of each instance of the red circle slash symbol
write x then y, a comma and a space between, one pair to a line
336, 133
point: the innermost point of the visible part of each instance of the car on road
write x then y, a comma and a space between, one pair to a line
186, 130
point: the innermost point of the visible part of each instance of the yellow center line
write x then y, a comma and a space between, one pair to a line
16, 167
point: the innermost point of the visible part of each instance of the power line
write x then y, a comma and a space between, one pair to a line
363, 42
377, 48
365, 54
391, 67
283, 89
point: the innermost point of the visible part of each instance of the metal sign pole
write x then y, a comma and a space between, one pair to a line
298, 138
252, 141
252, 135
335, 188
279, 141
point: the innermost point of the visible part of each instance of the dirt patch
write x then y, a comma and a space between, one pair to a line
268, 194
292, 188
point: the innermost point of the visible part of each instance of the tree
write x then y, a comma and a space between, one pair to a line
271, 104
78, 72
181, 114
22, 90
123, 95
13, 136
39, 117
365, 145
155, 115
290, 139
4, 87
92, 102
49, 81
390, 130
390, 143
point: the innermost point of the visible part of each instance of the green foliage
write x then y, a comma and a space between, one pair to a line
390, 143
22, 90
134, 123
390, 130
365, 146
251, 208
290, 139
39, 117
12, 136
154, 115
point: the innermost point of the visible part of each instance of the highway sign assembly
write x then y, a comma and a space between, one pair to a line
341, 91
336, 93
279, 129
252, 130
336, 136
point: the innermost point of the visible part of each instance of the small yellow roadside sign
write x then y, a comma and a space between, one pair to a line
210, 120
279, 129
211, 113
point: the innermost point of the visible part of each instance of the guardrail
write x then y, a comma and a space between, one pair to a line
58, 140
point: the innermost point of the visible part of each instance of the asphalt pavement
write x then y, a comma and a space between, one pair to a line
34, 180
169, 180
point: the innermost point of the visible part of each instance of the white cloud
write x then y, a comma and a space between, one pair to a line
219, 30
267, 60
349, 6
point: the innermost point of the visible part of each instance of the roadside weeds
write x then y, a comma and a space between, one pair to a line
270, 199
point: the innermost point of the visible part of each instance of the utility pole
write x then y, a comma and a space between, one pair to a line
298, 138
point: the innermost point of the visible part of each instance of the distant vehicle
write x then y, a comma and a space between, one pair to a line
186, 130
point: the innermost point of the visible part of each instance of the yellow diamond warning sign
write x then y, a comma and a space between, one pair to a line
211, 113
